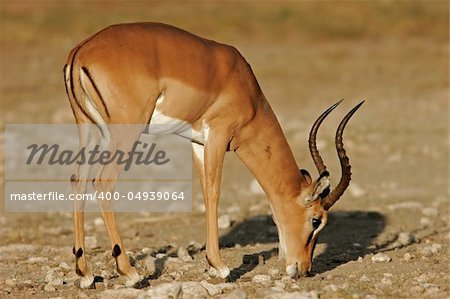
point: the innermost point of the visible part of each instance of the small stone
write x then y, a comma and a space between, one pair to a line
160, 255
407, 257
193, 289
166, 290
216, 289
364, 278
64, 266
386, 281
287, 279
235, 294
381, 258
280, 284
273, 272
264, 280
57, 282
183, 254
431, 249
127, 293
405, 238
50, 276
331, 287
49, 288
90, 242
360, 259
224, 221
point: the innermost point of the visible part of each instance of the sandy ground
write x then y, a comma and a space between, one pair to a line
388, 237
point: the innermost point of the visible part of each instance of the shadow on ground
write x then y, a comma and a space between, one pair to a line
348, 235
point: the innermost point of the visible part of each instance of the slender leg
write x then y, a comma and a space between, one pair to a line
210, 173
105, 183
79, 186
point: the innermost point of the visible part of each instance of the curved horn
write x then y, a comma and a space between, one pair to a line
312, 139
343, 159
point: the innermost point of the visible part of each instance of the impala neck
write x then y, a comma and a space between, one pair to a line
267, 154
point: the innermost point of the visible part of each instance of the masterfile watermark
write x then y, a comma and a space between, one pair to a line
154, 172
56, 156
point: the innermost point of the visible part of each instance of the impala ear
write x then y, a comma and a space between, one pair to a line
322, 186
306, 175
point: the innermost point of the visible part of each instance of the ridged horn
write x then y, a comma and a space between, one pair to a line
312, 139
331, 199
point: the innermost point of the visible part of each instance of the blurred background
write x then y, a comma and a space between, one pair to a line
306, 56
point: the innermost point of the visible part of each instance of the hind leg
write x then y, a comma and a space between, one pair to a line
79, 186
105, 181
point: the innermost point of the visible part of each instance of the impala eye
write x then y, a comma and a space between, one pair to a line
316, 223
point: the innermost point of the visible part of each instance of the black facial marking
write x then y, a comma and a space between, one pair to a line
325, 192
324, 174
116, 251
73, 250
79, 253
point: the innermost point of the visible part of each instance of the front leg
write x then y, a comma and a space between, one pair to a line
208, 160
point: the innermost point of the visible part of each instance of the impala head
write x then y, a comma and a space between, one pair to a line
314, 200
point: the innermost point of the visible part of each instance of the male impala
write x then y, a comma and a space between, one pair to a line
154, 73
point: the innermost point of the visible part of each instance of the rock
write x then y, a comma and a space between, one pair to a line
431, 249
90, 242
365, 278
277, 293
216, 289
236, 294
386, 281
122, 294
49, 288
183, 254
64, 266
255, 188
331, 287
407, 257
381, 258
224, 221
405, 238
166, 290
274, 272
193, 289
263, 280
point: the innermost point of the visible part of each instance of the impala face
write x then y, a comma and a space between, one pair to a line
312, 219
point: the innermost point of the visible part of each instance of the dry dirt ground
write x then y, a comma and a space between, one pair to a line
388, 237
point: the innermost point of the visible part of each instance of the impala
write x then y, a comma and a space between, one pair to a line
151, 73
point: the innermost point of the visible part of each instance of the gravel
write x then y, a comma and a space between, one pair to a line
224, 221
381, 258
263, 280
